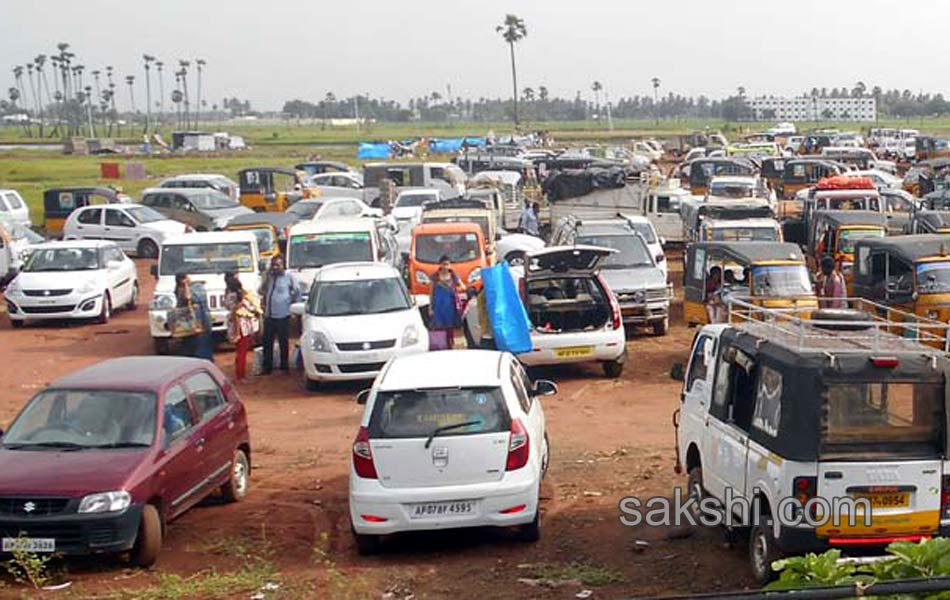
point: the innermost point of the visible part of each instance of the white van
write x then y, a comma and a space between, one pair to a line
315, 244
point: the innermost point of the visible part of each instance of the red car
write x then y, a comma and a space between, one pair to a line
101, 460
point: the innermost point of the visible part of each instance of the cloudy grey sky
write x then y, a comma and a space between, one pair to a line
273, 50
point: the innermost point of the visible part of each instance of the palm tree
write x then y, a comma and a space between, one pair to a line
741, 91
513, 30
148, 91
596, 87
184, 64
543, 93
130, 79
201, 63
656, 90
859, 89
114, 114
528, 94
161, 91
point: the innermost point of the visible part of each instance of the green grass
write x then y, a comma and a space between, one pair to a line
586, 574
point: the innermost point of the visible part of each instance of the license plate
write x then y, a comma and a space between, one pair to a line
574, 352
887, 499
25, 544
46, 302
442, 509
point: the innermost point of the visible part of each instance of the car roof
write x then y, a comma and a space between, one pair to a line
757, 251
345, 224
277, 219
452, 369
752, 222
209, 237
851, 217
184, 191
733, 179
130, 372
443, 227
74, 244
204, 176
911, 247
357, 270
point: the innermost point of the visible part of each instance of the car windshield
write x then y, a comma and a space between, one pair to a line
84, 419
357, 297
305, 210
63, 259
18, 231
414, 200
871, 203
731, 190
145, 214
848, 237
482, 222
933, 277
781, 280
743, 234
631, 251
418, 413
216, 201
206, 258
264, 235
314, 250
459, 247
645, 230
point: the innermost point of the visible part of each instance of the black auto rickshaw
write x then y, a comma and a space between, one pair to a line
694, 212
702, 170
800, 173
931, 214
58, 203
927, 147
771, 169
270, 228
271, 189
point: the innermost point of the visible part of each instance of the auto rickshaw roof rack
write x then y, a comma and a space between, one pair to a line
864, 328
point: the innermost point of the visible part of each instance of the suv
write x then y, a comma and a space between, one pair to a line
202, 209
449, 440
312, 245
203, 181
574, 315
633, 272
101, 460
14, 207
812, 421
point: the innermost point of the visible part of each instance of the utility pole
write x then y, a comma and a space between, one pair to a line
356, 112
610, 119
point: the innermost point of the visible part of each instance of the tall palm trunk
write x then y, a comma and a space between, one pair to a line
514, 82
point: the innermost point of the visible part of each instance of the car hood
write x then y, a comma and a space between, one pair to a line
407, 212
43, 280
366, 328
166, 226
66, 473
639, 278
234, 211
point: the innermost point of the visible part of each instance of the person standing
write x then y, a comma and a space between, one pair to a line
244, 322
278, 292
443, 300
199, 344
832, 290
529, 222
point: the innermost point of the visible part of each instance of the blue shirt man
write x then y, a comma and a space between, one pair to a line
277, 294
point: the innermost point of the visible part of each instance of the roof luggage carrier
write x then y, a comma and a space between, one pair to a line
864, 327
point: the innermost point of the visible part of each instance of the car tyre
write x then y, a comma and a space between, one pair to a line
148, 543
613, 369
312, 385
368, 545
546, 458
661, 328
162, 346
235, 489
763, 551
106, 313
531, 532
695, 490
16, 323
147, 248
134, 300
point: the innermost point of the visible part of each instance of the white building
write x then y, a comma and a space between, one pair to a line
807, 108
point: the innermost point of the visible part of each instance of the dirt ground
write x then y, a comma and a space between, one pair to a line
610, 439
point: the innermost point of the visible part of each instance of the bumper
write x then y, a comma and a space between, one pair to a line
642, 314
793, 540
556, 349
158, 322
368, 497
73, 306
79, 534
353, 366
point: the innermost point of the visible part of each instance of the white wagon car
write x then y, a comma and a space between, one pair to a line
72, 280
449, 440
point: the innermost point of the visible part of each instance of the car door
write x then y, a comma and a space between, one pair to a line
695, 417
186, 213
89, 224
118, 276
181, 468
119, 227
733, 402
216, 424
529, 404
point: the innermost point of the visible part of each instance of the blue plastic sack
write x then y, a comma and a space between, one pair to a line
445, 145
368, 151
506, 313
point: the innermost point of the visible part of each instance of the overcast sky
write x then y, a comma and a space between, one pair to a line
275, 50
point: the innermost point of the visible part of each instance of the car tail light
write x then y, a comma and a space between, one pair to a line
519, 446
363, 455
513, 509
804, 489
617, 319
373, 519
945, 497
885, 362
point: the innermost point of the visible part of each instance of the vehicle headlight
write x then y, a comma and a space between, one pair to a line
933, 315
105, 502
474, 275
87, 287
639, 296
410, 336
163, 302
319, 342
422, 278
14, 288
847, 268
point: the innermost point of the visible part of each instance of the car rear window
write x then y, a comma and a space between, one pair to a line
417, 413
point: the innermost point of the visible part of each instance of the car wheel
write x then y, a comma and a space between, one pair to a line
106, 312
763, 551
613, 369
147, 249
134, 300
695, 491
531, 532
312, 385
16, 323
236, 487
367, 545
201, 228
546, 458
162, 346
661, 328
148, 543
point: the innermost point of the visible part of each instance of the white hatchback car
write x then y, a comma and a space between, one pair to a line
72, 280
13, 207
135, 228
357, 317
449, 440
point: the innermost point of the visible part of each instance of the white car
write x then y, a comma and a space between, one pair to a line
882, 179
72, 280
449, 440
325, 207
339, 183
357, 317
135, 228
407, 211
14, 207
574, 315
16, 243
312, 245
644, 227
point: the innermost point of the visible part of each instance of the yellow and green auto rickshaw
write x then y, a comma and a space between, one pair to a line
835, 232
272, 189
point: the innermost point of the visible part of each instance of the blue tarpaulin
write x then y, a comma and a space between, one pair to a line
506, 313
445, 145
367, 151
475, 141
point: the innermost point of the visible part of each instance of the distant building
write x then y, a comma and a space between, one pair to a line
807, 108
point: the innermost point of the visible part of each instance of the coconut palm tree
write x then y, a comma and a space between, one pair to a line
596, 87
656, 99
542, 93
130, 79
200, 62
184, 64
148, 91
161, 90
513, 30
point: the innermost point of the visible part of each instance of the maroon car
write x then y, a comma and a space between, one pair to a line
104, 457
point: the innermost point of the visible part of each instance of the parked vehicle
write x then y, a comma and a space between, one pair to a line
323, 207
835, 232
102, 460
802, 173
800, 409
736, 186
356, 318
135, 228
862, 158
272, 189
323, 166
449, 179
16, 243
58, 203
219, 183
695, 211
76, 279
14, 208
205, 257
931, 214
661, 205
881, 179
316, 244
510, 185
740, 230
463, 243
703, 169
449, 440
203, 209
928, 147
271, 229
407, 211
339, 184
461, 210
574, 315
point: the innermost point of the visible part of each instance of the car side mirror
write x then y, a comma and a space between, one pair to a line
297, 309
363, 396
678, 372
1, 434
544, 387
153, 269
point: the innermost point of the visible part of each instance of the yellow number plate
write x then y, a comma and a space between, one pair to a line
574, 352
887, 499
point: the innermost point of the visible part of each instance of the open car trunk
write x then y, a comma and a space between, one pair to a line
557, 304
